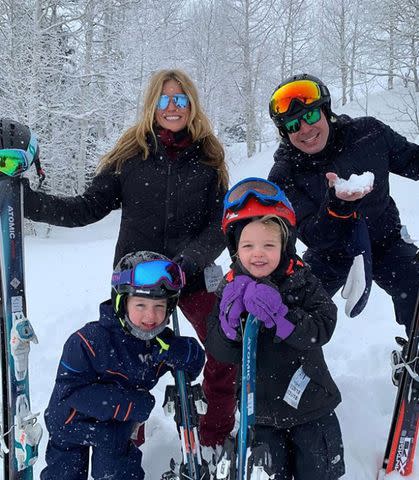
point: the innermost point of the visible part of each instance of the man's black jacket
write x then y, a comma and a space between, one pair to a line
168, 206
314, 314
355, 146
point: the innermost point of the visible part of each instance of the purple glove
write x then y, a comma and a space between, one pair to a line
265, 303
232, 306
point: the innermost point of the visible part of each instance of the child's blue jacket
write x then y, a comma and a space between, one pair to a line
105, 374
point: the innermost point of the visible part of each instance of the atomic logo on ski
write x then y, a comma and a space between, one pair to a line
15, 283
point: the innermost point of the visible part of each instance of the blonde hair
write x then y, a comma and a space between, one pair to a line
279, 224
134, 140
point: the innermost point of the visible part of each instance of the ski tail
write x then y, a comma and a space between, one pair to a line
237, 461
248, 393
186, 402
404, 429
20, 430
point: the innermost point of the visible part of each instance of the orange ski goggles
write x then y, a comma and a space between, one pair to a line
306, 92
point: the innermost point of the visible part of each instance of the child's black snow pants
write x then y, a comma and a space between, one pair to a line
311, 451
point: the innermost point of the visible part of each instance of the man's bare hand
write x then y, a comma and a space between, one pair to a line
347, 194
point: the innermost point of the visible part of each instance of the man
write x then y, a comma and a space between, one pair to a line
351, 230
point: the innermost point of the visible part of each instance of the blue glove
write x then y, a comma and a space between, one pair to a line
232, 306
182, 353
265, 303
142, 405
357, 287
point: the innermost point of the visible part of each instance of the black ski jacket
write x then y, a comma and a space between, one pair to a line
355, 146
168, 206
314, 314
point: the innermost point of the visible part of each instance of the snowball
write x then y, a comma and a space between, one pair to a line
356, 183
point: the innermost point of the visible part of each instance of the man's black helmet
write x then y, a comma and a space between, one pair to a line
286, 107
15, 135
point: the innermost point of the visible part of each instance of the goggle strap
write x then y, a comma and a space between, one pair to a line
122, 278
32, 147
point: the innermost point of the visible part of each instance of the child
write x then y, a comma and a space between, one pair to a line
295, 394
108, 368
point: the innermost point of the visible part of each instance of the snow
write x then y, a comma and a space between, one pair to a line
355, 184
69, 274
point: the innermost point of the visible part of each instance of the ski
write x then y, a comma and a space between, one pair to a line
186, 403
241, 461
21, 433
247, 394
401, 443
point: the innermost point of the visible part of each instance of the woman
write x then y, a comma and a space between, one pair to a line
169, 176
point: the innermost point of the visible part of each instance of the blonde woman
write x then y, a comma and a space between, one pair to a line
169, 176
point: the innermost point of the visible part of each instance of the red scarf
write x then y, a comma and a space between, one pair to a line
174, 142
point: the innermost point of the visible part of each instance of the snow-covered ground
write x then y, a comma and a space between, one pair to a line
68, 275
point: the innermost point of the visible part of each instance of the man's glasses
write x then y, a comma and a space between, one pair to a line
14, 161
311, 117
181, 100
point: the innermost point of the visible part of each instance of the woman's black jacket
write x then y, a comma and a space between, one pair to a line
355, 145
314, 314
168, 206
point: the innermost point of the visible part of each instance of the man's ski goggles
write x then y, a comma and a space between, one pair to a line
14, 161
311, 117
265, 191
305, 91
181, 100
151, 274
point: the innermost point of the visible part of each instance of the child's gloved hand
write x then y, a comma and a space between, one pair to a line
232, 306
142, 405
265, 303
182, 353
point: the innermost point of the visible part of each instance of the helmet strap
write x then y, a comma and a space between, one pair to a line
143, 334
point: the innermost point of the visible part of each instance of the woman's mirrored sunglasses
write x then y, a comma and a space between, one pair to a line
181, 100
310, 117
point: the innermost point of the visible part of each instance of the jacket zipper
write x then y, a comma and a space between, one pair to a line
166, 219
